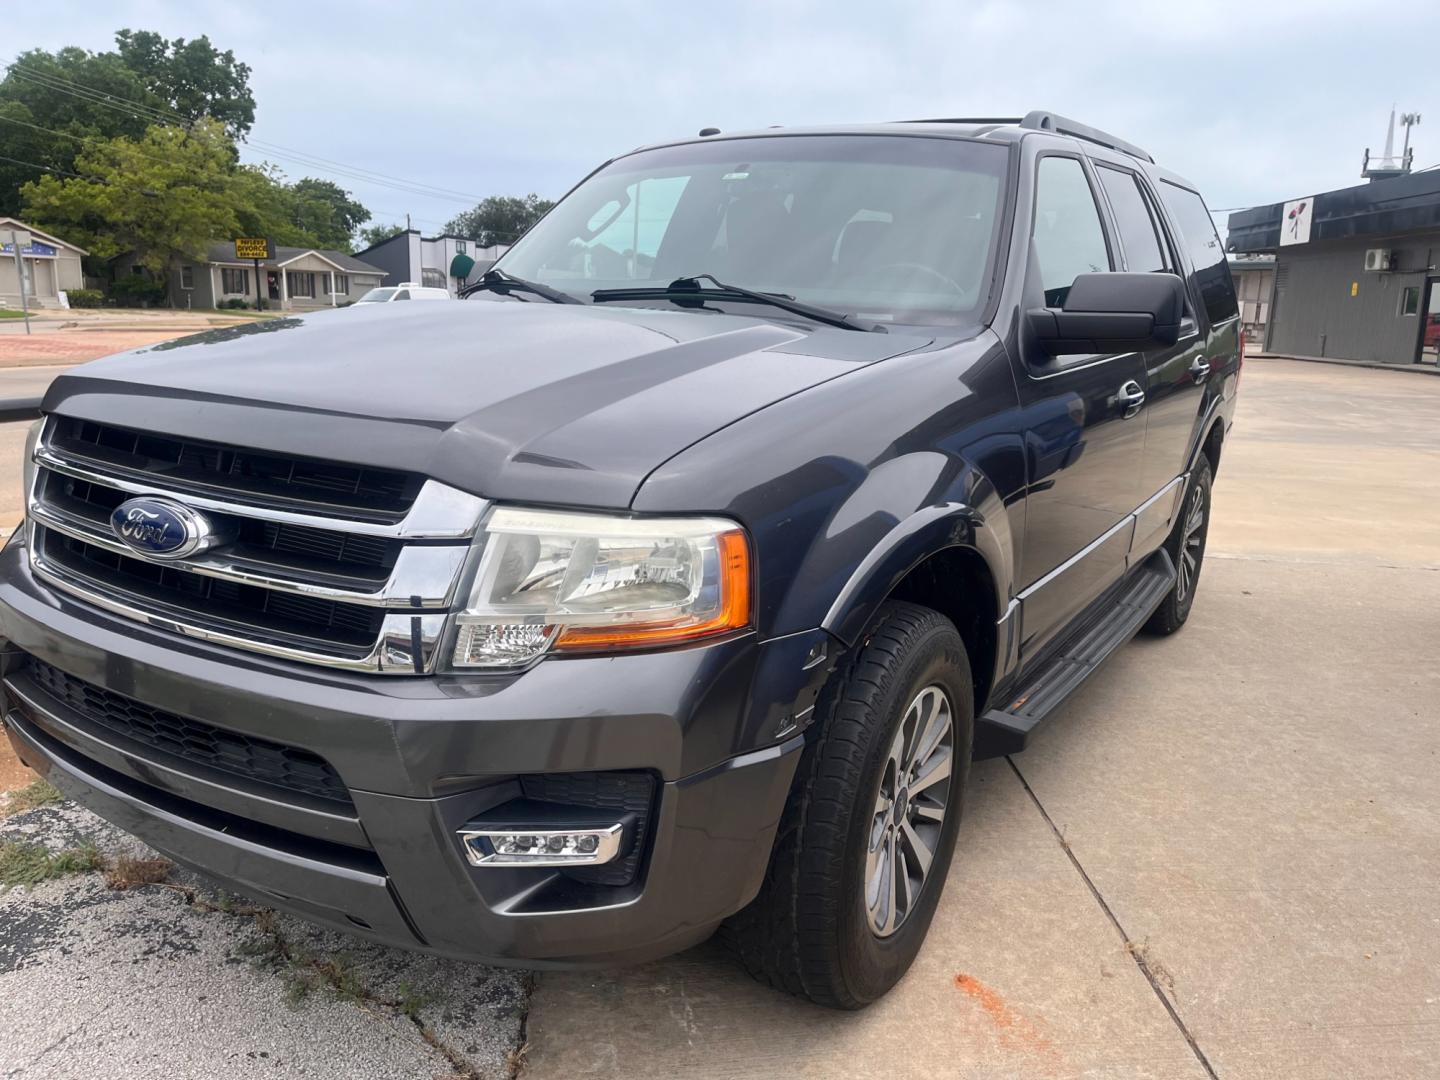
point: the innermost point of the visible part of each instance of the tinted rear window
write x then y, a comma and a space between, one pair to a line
1143, 251
1197, 231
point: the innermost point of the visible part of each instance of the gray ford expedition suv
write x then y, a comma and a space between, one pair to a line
671, 580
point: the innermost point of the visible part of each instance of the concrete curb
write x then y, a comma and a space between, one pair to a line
1413, 369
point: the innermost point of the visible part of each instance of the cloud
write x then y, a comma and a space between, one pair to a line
1254, 102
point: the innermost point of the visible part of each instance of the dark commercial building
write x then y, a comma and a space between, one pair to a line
1355, 269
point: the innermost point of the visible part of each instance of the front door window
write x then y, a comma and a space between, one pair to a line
272, 283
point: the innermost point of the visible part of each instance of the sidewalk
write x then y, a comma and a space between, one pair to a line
1414, 369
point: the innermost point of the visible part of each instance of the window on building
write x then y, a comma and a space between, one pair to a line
1197, 229
300, 283
1140, 236
1069, 239
460, 246
1410, 300
432, 278
234, 282
187, 276
342, 284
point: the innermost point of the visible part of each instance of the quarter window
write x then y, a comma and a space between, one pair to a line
1139, 236
1068, 237
1212, 272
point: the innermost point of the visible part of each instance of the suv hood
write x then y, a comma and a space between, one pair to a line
537, 402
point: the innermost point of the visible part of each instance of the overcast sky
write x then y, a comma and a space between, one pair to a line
1255, 101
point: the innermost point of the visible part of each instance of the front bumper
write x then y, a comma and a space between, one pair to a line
715, 728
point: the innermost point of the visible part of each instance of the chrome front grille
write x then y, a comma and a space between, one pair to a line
330, 564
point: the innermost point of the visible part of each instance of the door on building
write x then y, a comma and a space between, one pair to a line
272, 284
1430, 324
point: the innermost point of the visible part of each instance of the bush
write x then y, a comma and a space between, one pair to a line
132, 290
234, 303
85, 297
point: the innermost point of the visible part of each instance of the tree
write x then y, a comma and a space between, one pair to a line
45, 120
376, 234
56, 106
500, 219
327, 212
160, 198
193, 78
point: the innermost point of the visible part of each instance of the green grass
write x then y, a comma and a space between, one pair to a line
36, 793
29, 864
11, 313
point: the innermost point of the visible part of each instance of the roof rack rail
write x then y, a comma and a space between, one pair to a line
1041, 120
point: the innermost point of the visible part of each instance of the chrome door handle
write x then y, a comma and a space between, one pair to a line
1200, 369
1129, 398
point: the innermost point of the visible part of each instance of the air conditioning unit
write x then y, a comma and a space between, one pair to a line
1378, 259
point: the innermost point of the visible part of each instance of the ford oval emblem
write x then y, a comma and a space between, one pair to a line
161, 528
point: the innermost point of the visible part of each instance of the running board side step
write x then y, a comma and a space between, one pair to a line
1007, 729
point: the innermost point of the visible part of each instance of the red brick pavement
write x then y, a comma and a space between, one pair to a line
61, 347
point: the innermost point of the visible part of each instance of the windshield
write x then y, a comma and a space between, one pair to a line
375, 296
889, 228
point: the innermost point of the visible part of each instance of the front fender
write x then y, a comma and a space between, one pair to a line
909, 543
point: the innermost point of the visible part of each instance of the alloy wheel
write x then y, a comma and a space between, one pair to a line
1192, 544
909, 811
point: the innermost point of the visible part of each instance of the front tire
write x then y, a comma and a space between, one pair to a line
866, 840
1187, 550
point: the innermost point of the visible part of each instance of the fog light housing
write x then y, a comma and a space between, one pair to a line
517, 845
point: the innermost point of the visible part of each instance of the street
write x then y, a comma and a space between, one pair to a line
1219, 861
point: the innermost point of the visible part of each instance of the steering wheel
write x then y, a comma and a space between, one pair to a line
929, 271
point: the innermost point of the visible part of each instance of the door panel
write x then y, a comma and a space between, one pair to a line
1174, 385
1083, 457
1083, 442
1184, 379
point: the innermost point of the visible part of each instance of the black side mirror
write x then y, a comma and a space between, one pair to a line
1112, 313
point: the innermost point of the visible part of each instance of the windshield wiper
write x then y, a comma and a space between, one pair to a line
686, 289
501, 282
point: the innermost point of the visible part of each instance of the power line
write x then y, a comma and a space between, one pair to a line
141, 111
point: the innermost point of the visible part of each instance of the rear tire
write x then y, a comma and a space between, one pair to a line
1187, 550
849, 894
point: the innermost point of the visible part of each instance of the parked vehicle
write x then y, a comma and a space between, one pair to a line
671, 581
406, 290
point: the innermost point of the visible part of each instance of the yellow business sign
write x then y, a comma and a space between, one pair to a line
252, 247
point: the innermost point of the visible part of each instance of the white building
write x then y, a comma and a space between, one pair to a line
50, 266
440, 262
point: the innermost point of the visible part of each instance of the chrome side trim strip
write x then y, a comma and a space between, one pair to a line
1127, 522
424, 574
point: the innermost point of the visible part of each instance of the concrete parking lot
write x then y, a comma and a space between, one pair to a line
1221, 861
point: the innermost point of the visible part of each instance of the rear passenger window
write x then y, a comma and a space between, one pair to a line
1139, 235
1068, 237
1212, 273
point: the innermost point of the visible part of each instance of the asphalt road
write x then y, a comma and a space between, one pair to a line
1220, 861
29, 381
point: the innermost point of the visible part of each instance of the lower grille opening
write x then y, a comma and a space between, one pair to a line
257, 760
267, 836
325, 625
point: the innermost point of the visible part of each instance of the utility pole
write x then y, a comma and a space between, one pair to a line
21, 240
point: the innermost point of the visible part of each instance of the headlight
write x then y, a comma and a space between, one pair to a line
587, 582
